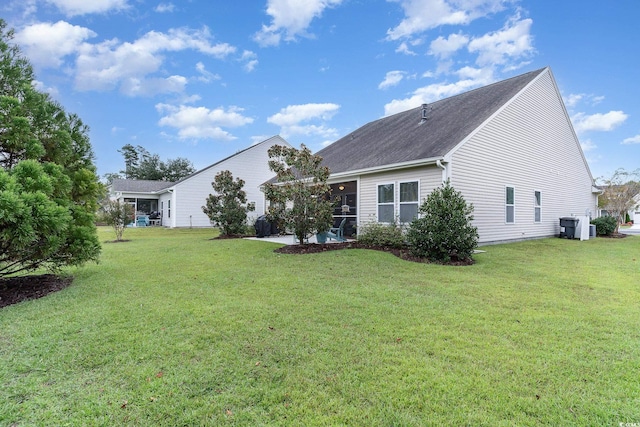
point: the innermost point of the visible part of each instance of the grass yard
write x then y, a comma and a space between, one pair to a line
175, 329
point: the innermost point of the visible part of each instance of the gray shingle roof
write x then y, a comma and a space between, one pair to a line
403, 138
139, 185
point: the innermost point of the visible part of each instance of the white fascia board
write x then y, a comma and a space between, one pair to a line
384, 168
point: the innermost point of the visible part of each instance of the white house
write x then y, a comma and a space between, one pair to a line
508, 147
179, 204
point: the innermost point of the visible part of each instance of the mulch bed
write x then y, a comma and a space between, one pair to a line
16, 289
403, 253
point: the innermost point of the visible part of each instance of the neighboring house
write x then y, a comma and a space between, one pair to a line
179, 204
508, 147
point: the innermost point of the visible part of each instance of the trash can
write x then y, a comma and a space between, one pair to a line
569, 223
264, 228
592, 230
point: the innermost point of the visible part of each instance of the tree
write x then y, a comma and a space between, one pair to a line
48, 184
117, 215
444, 230
618, 193
140, 164
227, 209
300, 199
176, 169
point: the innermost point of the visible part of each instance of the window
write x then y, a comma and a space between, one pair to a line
537, 206
386, 197
510, 204
408, 201
168, 208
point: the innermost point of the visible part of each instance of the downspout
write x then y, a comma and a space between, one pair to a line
444, 170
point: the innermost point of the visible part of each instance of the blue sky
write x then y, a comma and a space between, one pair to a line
203, 79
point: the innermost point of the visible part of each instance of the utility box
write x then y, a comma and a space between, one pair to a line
568, 225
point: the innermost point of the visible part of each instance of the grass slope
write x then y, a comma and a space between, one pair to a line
175, 329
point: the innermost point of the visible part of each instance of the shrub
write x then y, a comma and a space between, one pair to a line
228, 208
444, 230
385, 235
605, 225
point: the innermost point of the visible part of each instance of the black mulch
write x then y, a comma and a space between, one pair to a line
403, 253
16, 289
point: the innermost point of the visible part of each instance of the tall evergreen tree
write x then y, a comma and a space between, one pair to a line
48, 182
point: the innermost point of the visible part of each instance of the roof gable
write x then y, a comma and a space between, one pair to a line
404, 137
276, 139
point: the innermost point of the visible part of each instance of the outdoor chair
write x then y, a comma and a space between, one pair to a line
337, 233
142, 221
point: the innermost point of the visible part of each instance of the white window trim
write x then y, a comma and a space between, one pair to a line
378, 204
506, 205
537, 206
417, 202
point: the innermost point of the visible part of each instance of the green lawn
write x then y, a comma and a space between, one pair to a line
175, 329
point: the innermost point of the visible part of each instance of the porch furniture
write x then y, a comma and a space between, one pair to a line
337, 233
142, 220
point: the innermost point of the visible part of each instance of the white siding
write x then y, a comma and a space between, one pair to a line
163, 205
429, 177
529, 145
250, 165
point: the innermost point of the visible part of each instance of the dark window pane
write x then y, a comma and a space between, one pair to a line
409, 191
385, 213
385, 193
408, 212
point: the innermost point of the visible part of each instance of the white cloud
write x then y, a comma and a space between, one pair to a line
47, 44
423, 15
112, 64
588, 145
153, 86
392, 79
201, 122
84, 7
444, 48
165, 8
250, 60
41, 87
294, 114
309, 130
469, 78
290, 19
572, 100
598, 122
512, 42
291, 119
404, 48
632, 140
205, 75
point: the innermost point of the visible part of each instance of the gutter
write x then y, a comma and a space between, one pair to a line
386, 168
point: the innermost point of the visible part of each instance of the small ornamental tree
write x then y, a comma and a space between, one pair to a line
117, 215
443, 231
227, 208
300, 197
618, 193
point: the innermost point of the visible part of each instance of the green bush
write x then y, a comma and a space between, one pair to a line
605, 225
443, 231
385, 235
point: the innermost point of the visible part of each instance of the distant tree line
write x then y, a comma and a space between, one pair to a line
140, 164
